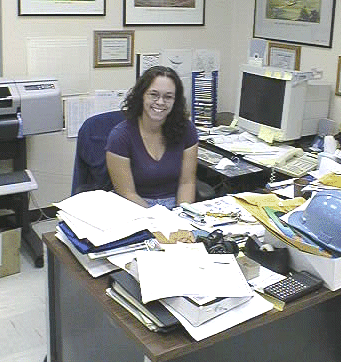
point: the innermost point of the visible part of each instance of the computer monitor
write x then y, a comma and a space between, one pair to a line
274, 100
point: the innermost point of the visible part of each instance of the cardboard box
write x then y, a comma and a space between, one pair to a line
328, 269
10, 241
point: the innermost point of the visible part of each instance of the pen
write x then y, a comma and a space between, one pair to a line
225, 223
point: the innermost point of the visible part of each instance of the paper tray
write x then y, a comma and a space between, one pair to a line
198, 314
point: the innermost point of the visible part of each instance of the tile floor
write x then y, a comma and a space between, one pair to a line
23, 301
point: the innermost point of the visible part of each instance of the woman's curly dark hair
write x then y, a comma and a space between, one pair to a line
175, 125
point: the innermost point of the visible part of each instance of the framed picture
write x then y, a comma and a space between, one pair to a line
308, 22
338, 79
163, 12
58, 7
113, 48
285, 56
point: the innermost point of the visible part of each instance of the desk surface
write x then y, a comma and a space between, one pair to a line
160, 347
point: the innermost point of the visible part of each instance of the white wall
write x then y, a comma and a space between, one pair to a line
228, 28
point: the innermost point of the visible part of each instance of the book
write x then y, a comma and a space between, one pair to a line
127, 287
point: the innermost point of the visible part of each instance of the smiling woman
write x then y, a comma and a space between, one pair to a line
152, 156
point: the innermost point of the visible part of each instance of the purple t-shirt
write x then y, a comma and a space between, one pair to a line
153, 179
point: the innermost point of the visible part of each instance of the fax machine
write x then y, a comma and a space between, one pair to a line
29, 107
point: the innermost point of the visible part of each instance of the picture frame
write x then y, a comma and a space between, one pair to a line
55, 7
287, 56
163, 12
114, 48
338, 78
310, 22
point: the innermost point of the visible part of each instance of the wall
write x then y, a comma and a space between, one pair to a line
228, 28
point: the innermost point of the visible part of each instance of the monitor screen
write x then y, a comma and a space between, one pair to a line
262, 99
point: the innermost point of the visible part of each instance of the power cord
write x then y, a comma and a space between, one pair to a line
43, 216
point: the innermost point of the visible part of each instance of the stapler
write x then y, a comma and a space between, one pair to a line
194, 214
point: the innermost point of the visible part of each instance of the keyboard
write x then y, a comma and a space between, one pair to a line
209, 156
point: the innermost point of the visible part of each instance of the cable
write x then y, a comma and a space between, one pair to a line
43, 216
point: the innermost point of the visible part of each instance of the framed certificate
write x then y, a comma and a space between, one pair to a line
113, 48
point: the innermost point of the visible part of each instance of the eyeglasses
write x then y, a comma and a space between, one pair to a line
155, 96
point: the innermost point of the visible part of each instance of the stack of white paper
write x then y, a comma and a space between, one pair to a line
103, 217
189, 271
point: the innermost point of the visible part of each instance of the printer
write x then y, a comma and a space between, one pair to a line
29, 107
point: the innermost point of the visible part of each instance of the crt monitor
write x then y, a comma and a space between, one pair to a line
268, 98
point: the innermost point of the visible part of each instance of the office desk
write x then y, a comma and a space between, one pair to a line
88, 326
245, 176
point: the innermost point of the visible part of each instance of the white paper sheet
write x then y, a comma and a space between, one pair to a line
225, 205
103, 217
95, 268
168, 274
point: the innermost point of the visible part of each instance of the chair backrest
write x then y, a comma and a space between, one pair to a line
90, 170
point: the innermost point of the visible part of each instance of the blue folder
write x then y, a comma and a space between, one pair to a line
84, 246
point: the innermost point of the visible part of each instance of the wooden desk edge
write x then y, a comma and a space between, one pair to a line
160, 347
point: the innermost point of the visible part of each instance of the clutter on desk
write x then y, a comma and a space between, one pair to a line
186, 272
194, 302
209, 156
95, 268
321, 220
97, 234
243, 312
276, 259
316, 227
259, 204
217, 243
198, 310
224, 213
281, 289
294, 286
125, 289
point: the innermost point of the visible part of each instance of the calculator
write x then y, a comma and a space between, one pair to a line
294, 286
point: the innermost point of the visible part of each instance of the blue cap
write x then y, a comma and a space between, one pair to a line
321, 220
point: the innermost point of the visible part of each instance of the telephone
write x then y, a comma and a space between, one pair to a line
296, 163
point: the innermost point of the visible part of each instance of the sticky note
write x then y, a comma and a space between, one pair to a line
234, 122
266, 134
287, 76
278, 75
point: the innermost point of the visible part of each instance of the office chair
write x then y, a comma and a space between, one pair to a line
90, 170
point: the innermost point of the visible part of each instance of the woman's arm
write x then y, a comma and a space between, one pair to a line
187, 181
122, 178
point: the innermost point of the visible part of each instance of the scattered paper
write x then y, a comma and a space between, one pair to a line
165, 274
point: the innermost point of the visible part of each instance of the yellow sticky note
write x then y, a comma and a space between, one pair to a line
287, 76
278, 135
267, 73
266, 134
234, 122
278, 75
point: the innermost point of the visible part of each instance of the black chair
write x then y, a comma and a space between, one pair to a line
90, 170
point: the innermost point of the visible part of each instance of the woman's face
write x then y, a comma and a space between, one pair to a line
158, 100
